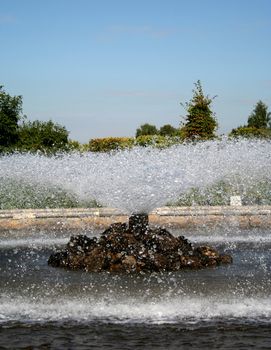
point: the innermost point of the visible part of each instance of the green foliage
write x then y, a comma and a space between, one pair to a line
47, 137
260, 117
168, 130
258, 125
199, 122
75, 146
146, 129
10, 109
19, 194
118, 143
157, 141
144, 140
219, 193
110, 144
250, 132
258, 194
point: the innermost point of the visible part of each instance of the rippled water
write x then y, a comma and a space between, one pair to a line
228, 307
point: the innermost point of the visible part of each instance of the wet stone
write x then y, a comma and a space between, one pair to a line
131, 248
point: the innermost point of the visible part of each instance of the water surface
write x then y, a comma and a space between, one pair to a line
228, 307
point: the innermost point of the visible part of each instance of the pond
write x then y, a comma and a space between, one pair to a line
228, 307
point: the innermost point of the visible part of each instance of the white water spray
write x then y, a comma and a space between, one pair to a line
142, 179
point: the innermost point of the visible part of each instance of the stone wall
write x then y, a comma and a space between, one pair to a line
191, 217
174, 217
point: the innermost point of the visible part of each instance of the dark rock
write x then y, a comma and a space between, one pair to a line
96, 260
134, 248
58, 259
207, 252
138, 224
225, 259
116, 228
191, 262
81, 244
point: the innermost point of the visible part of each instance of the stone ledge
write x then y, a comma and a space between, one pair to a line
213, 210
20, 214
177, 217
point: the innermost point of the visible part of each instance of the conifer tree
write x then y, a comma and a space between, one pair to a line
260, 117
200, 122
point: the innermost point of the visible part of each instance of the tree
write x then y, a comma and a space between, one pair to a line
146, 129
10, 110
258, 124
199, 121
168, 130
43, 136
260, 117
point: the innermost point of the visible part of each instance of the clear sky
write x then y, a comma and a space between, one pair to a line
104, 67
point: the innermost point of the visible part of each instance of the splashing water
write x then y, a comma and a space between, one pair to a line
32, 292
142, 179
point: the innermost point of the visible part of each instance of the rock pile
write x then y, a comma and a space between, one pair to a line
134, 248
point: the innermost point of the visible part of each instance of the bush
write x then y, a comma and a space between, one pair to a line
110, 144
250, 132
47, 137
75, 146
119, 143
157, 141
145, 140
168, 130
146, 129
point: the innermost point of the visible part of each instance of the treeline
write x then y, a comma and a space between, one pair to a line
19, 134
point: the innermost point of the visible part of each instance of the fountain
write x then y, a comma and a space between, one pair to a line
135, 248
153, 306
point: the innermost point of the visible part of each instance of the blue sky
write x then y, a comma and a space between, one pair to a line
104, 67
